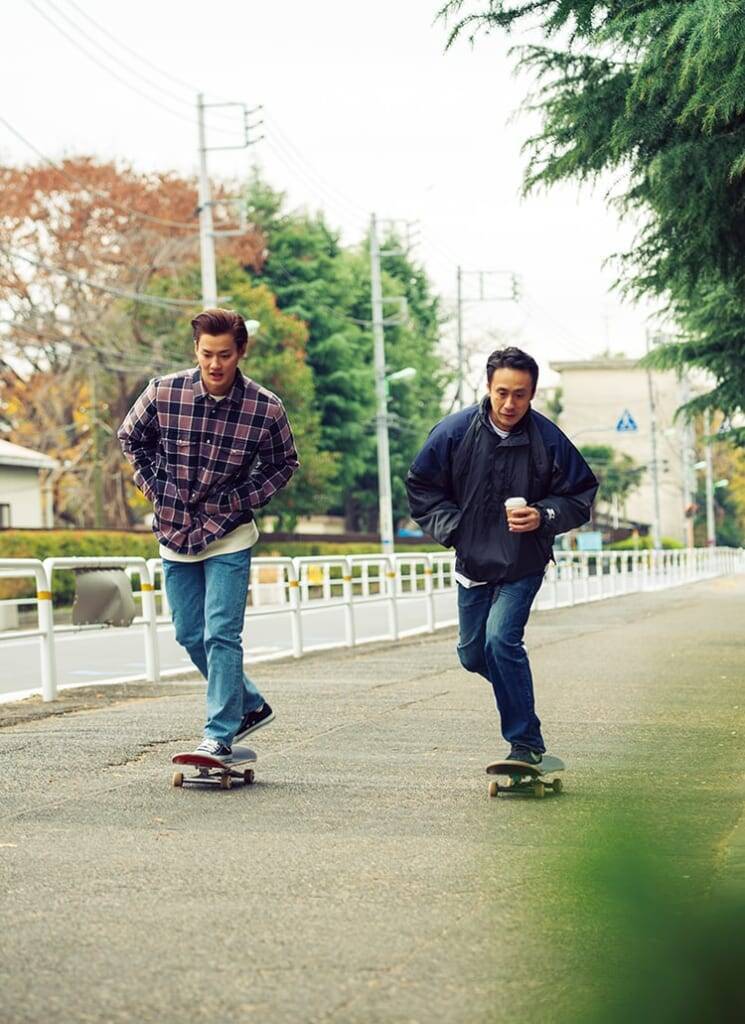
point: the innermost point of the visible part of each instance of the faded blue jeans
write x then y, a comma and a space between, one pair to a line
492, 623
208, 603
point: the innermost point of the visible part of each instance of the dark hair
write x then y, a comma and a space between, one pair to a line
220, 321
514, 359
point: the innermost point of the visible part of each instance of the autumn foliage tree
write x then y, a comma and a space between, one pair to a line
82, 246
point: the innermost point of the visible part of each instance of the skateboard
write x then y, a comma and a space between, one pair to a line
526, 778
212, 772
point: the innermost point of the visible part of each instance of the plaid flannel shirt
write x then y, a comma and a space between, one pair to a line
206, 465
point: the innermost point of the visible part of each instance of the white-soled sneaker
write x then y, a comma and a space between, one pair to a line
254, 720
214, 748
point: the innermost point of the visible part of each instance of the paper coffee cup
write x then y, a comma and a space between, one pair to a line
512, 503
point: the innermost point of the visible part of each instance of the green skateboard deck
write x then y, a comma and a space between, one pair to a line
534, 779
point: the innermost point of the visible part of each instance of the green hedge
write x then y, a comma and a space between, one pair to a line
68, 544
644, 544
291, 549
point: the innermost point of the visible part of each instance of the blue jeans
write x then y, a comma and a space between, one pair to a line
208, 603
492, 623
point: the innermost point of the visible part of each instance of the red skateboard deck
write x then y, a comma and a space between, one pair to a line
212, 771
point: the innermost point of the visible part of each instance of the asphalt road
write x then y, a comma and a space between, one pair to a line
367, 877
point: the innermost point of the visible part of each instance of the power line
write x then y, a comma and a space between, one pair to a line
104, 67
327, 196
529, 302
86, 35
127, 67
110, 35
150, 362
290, 146
83, 185
190, 87
141, 297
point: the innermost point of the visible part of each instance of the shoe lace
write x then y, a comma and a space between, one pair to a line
210, 746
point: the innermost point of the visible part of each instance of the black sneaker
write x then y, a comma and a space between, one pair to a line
254, 720
214, 748
525, 754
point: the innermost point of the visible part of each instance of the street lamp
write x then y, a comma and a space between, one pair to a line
406, 374
385, 500
707, 464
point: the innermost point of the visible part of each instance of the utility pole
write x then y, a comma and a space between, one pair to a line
656, 538
385, 503
207, 233
97, 475
711, 534
206, 229
461, 355
483, 296
689, 474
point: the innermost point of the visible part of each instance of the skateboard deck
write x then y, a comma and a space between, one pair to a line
526, 778
213, 772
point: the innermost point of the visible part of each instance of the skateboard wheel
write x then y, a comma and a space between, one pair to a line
557, 787
225, 782
248, 776
493, 788
177, 779
539, 789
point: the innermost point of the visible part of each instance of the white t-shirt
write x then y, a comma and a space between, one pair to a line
459, 577
243, 536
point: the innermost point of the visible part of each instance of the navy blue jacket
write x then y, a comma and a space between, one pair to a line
460, 479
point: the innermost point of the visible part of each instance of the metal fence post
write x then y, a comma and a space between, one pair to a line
429, 593
155, 567
389, 568
296, 616
348, 591
45, 618
150, 615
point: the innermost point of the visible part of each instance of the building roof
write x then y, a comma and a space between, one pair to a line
601, 363
15, 455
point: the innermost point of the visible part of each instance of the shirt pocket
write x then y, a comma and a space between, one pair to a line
235, 455
179, 452
239, 450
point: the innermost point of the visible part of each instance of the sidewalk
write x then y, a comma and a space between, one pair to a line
366, 877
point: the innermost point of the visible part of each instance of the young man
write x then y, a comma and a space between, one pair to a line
471, 463
209, 447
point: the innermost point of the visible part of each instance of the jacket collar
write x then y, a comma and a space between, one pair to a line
518, 435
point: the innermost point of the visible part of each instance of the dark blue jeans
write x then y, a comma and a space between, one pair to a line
492, 623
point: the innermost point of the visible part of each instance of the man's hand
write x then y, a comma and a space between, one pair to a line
523, 520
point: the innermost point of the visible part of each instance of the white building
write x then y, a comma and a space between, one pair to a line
25, 498
606, 401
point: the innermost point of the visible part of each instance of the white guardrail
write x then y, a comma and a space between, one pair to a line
297, 586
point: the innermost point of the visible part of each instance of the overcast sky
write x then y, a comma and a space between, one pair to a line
364, 112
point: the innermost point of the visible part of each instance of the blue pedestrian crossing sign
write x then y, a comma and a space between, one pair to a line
626, 422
